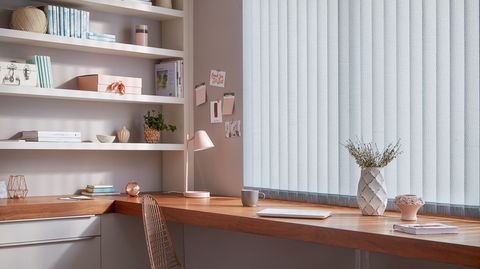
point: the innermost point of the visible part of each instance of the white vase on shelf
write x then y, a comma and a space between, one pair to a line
372, 192
123, 135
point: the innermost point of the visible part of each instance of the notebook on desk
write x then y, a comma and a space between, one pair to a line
294, 213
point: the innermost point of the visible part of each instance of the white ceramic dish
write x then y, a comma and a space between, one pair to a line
106, 138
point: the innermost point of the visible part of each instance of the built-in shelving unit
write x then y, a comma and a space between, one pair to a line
15, 145
91, 113
123, 8
76, 95
86, 45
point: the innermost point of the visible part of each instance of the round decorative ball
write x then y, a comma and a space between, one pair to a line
29, 19
132, 189
409, 205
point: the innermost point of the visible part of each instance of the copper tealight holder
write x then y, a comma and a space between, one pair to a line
17, 187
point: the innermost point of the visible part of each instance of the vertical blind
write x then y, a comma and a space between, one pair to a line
318, 72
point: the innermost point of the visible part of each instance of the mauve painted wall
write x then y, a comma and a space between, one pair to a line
218, 45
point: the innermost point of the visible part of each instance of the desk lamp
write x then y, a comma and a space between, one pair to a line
201, 141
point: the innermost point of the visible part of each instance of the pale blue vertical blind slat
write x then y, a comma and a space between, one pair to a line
274, 109
333, 95
403, 94
354, 86
343, 94
443, 101
472, 103
318, 72
265, 97
390, 90
416, 98
292, 127
323, 157
302, 96
457, 104
312, 96
283, 93
429, 100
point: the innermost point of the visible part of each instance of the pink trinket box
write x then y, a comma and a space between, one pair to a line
107, 83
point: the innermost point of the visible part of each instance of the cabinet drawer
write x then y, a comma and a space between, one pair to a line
78, 254
48, 229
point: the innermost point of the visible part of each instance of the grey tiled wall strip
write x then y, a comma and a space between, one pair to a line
351, 201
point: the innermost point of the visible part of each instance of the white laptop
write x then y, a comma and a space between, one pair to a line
294, 213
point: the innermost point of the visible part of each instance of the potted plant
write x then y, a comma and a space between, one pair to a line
372, 191
154, 124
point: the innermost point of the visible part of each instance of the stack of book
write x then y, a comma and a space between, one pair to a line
425, 228
44, 70
68, 22
169, 78
47, 136
148, 2
101, 37
96, 190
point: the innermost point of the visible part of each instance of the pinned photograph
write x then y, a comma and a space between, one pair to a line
200, 94
232, 129
216, 111
217, 78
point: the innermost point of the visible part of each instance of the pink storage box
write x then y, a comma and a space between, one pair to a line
107, 83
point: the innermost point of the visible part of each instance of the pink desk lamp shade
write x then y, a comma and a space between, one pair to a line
201, 141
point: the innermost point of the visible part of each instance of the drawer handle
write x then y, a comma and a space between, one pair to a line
44, 242
54, 218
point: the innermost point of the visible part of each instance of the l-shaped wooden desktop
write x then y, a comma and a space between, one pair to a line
345, 228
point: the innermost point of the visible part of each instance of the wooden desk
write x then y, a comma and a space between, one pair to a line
346, 228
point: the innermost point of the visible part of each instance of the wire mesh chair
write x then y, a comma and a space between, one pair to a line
159, 243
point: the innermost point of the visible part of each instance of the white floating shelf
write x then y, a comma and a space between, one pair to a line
77, 95
128, 8
86, 45
14, 145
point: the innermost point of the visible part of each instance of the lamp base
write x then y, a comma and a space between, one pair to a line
196, 194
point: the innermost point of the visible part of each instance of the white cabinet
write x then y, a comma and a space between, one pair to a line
51, 243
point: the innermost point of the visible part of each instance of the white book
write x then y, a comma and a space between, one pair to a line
426, 228
56, 139
37, 134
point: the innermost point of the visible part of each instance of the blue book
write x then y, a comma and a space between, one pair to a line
77, 23
48, 12
87, 25
57, 20
54, 20
66, 21
48, 64
82, 24
62, 21
72, 22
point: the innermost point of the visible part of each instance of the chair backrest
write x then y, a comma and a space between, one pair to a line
159, 243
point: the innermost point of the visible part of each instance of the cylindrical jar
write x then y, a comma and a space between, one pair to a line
141, 35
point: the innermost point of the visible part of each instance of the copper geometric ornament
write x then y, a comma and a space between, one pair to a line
17, 187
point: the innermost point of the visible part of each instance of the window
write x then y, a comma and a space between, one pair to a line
318, 72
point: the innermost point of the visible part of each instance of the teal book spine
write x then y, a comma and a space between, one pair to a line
61, 21
72, 22
43, 67
49, 71
57, 20
77, 23
66, 15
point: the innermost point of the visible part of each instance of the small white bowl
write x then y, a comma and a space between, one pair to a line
106, 138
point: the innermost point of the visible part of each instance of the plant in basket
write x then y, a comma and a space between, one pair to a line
153, 125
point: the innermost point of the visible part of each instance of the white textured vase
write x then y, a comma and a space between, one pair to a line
372, 192
123, 135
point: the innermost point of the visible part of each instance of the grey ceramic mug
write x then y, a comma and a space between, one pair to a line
250, 197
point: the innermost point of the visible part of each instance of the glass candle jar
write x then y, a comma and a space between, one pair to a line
141, 35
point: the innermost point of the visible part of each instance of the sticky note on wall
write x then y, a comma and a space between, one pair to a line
228, 103
200, 94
